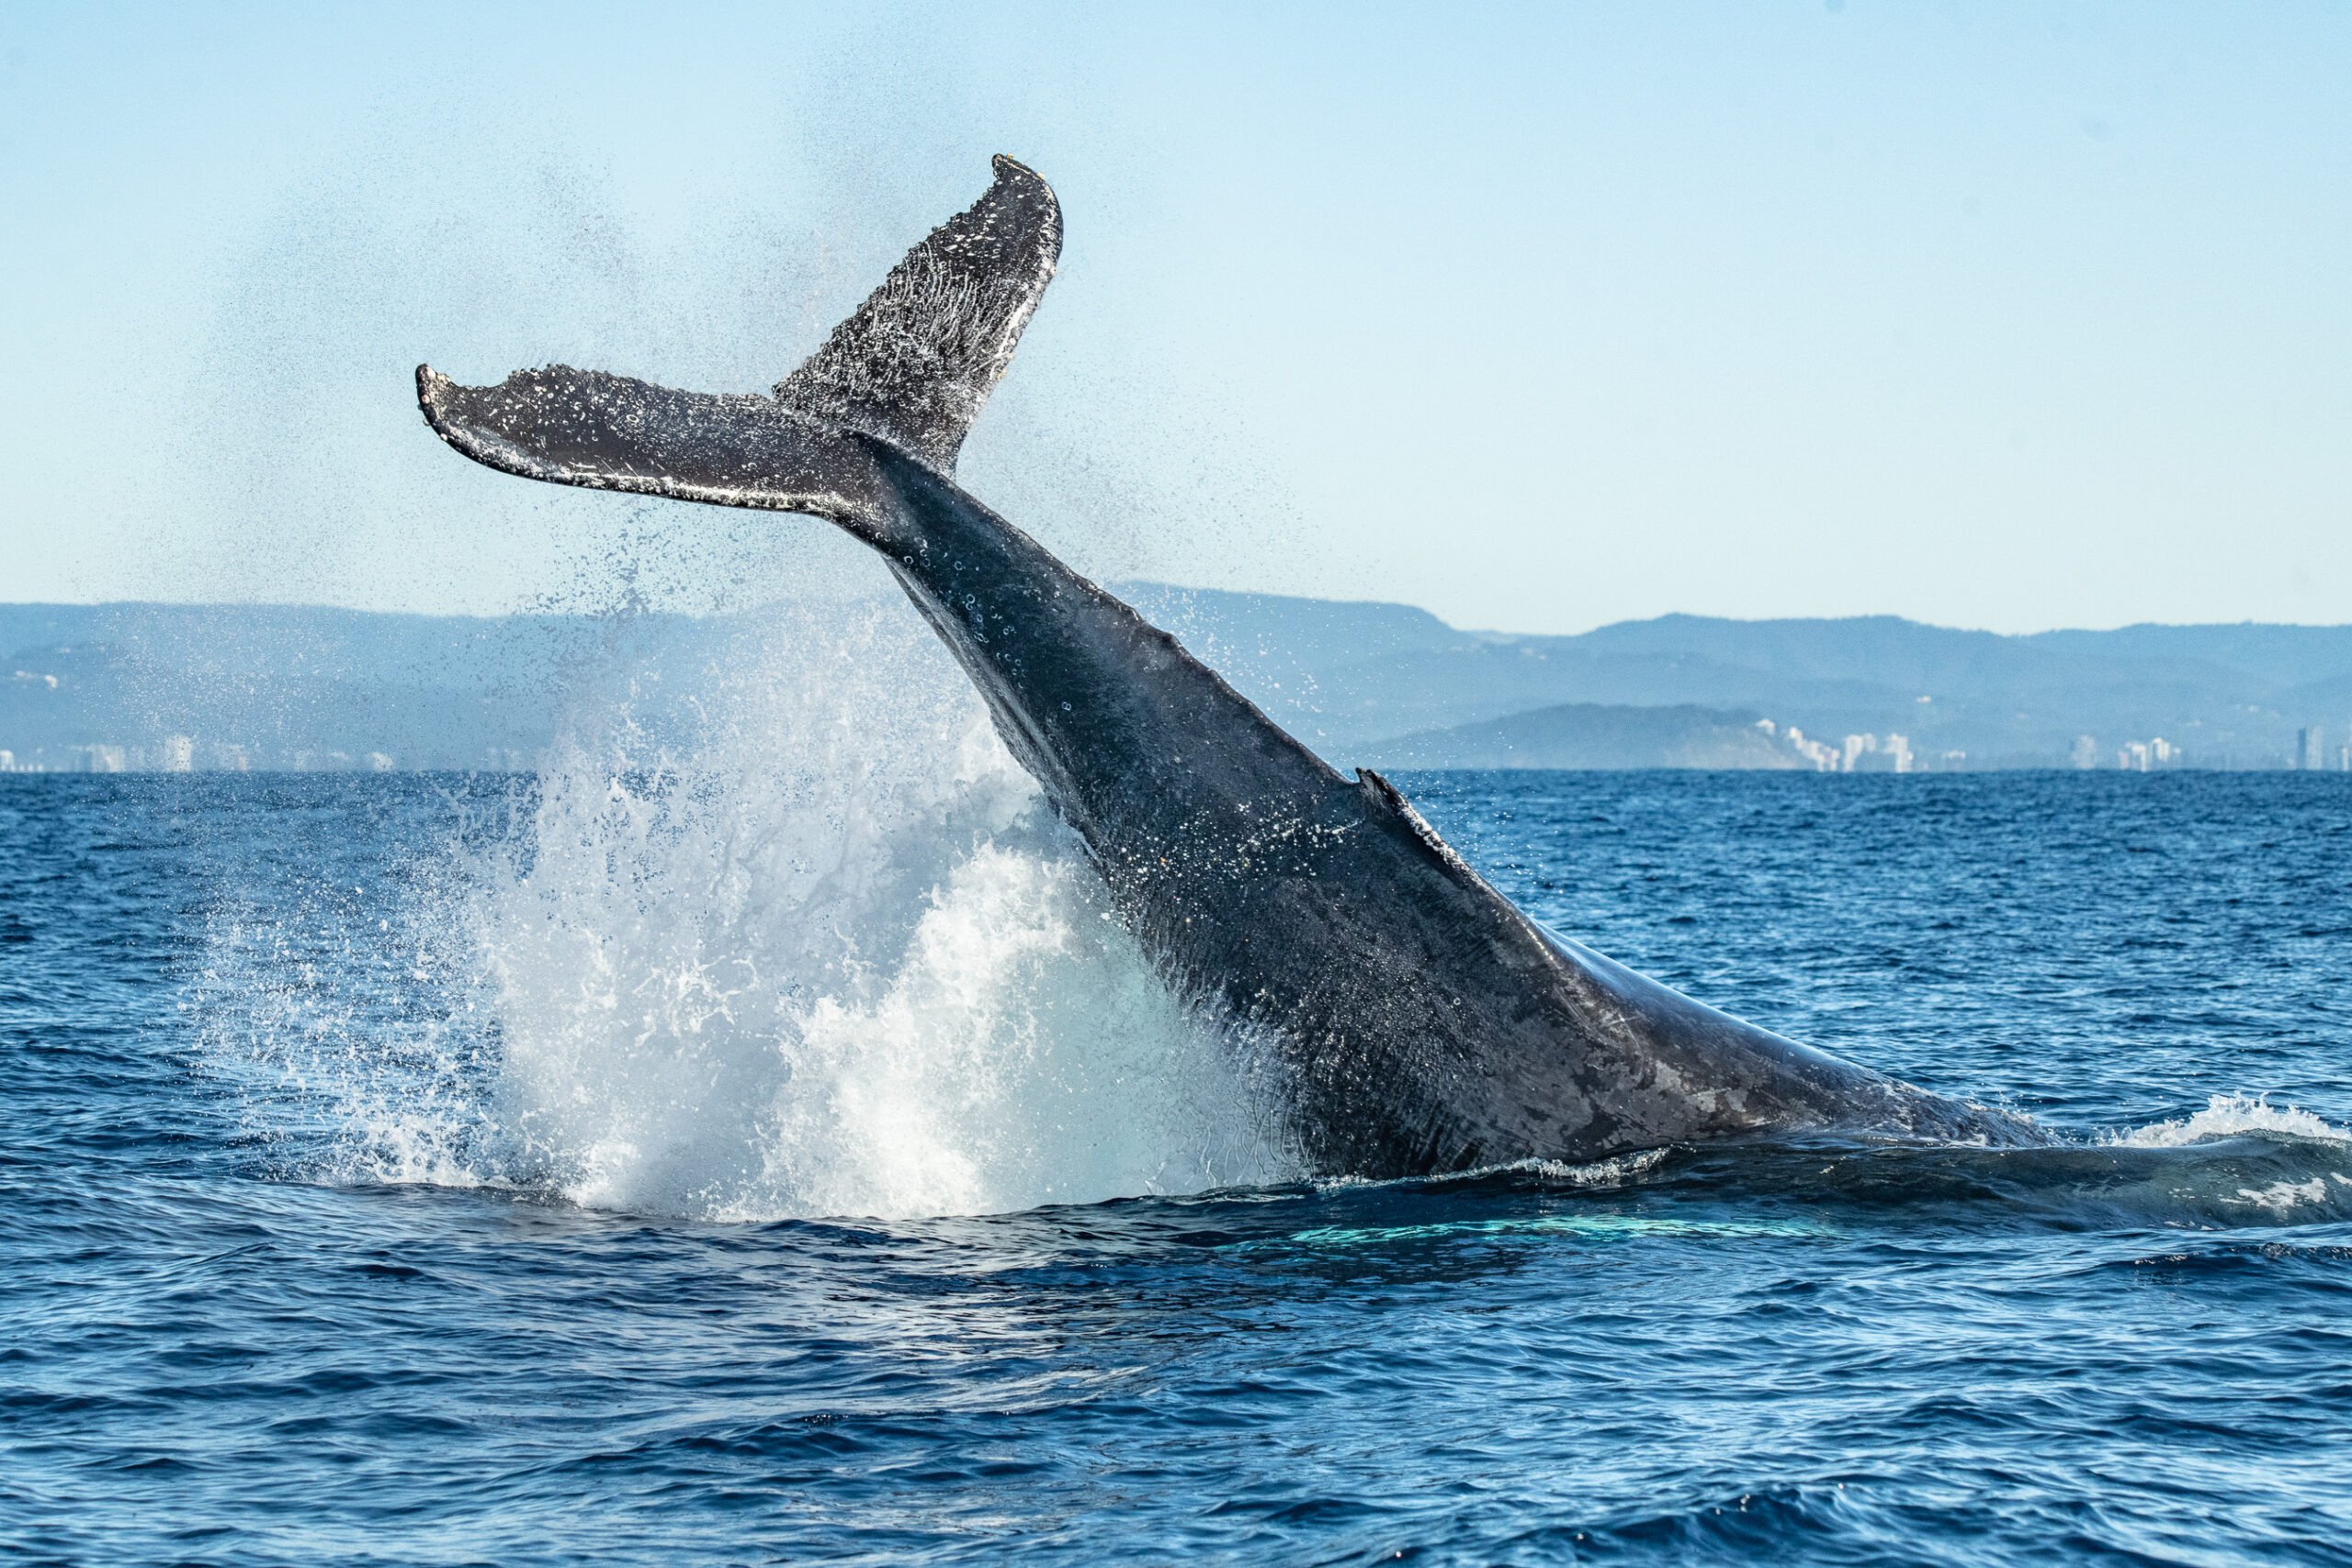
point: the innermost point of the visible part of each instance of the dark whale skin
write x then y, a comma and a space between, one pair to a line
1426, 1023
1423, 1024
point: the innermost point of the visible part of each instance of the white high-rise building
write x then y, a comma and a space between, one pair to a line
1823, 758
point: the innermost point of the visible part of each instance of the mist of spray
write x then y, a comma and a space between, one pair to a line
830, 954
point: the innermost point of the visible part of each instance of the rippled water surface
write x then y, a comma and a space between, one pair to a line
420, 1171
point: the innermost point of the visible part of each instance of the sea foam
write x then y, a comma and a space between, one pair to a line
2230, 1115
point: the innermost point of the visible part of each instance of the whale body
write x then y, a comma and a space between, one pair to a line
1421, 1023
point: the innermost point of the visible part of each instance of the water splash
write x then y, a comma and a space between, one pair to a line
2232, 1115
831, 954
342, 1021
780, 929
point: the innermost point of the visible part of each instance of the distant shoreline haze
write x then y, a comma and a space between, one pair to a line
143, 687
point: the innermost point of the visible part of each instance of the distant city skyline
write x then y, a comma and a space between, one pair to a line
1545, 317
162, 688
1858, 753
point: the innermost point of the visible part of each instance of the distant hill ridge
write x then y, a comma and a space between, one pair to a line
170, 685
2223, 695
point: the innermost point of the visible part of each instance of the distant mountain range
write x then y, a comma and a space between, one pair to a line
263, 686
163, 686
1350, 678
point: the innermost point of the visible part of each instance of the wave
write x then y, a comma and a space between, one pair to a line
2229, 1116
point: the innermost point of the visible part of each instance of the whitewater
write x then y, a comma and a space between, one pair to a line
823, 952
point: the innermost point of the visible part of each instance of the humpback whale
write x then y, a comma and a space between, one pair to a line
1421, 1022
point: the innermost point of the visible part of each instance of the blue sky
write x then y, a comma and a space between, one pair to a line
1543, 317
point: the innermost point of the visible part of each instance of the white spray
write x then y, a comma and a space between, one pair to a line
785, 932
834, 957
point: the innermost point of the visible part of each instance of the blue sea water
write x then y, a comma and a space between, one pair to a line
710, 1167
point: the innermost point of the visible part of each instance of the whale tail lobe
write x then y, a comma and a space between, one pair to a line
916, 362
911, 367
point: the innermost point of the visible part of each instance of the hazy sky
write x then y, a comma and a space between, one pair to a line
1543, 317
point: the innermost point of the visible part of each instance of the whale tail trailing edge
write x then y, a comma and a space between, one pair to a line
913, 366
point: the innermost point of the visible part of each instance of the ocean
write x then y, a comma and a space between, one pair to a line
780, 1155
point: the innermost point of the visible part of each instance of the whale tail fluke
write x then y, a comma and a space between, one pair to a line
912, 368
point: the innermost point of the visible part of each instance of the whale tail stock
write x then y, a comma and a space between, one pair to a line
911, 367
